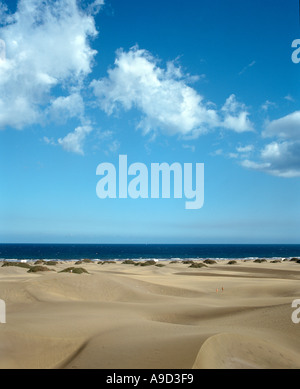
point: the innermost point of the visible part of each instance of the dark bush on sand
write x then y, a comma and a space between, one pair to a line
260, 260
87, 261
78, 263
197, 265
128, 262
210, 261
51, 263
160, 265
105, 262
39, 262
294, 259
276, 261
187, 261
232, 262
76, 270
148, 263
298, 261
19, 264
37, 268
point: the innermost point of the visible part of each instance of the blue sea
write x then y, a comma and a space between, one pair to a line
147, 251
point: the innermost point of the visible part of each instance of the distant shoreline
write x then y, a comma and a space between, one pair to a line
147, 251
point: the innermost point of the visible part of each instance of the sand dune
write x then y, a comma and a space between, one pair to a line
126, 316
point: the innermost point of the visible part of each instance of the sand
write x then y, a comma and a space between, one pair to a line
170, 317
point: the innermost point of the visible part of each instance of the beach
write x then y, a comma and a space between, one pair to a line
167, 315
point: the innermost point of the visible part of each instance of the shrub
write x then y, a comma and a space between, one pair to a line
37, 268
19, 264
294, 259
276, 261
187, 261
76, 270
104, 262
51, 263
160, 265
148, 263
210, 261
128, 262
197, 265
174, 262
298, 261
260, 260
39, 262
232, 262
87, 261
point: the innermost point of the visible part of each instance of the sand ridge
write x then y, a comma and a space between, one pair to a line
174, 316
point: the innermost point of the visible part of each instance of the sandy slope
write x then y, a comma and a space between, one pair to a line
125, 316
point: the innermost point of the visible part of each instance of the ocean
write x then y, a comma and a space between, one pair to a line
146, 251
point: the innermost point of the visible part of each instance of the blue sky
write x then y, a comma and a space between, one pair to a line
161, 81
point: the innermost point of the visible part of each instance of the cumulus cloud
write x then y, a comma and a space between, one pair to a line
44, 45
74, 140
63, 108
286, 127
278, 158
281, 157
236, 116
163, 96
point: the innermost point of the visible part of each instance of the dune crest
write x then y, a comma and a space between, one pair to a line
235, 351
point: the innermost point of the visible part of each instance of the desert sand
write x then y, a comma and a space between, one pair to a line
170, 317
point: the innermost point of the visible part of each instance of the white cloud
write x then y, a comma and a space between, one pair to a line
63, 108
162, 96
289, 98
285, 127
268, 104
46, 46
245, 149
74, 140
278, 158
282, 156
236, 116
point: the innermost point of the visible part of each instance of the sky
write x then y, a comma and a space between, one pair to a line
186, 81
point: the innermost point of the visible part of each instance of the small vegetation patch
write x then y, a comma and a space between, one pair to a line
276, 261
38, 268
19, 264
294, 259
260, 260
87, 261
128, 262
232, 262
76, 270
105, 262
50, 263
39, 262
197, 265
160, 265
187, 261
78, 263
148, 263
210, 261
